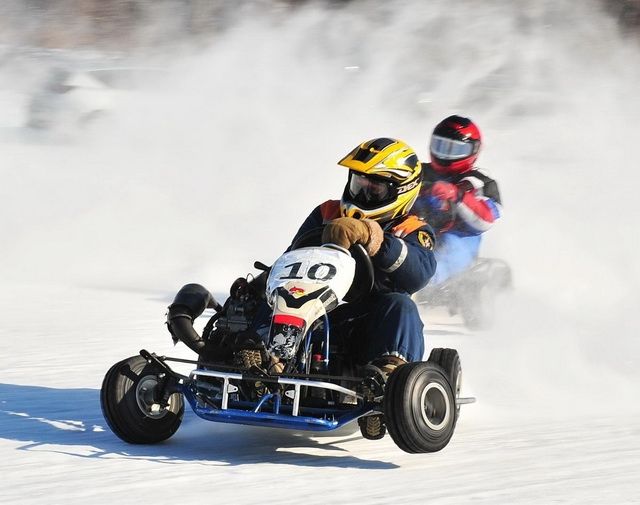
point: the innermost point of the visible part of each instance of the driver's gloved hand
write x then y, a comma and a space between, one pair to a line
449, 192
445, 192
347, 231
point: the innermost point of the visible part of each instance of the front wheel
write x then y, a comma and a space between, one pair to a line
419, 407
131, 406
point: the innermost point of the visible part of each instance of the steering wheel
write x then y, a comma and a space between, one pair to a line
362, 280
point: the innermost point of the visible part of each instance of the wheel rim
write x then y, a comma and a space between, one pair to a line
145, 391
436, 408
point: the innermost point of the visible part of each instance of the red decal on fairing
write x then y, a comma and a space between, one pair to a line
290, 320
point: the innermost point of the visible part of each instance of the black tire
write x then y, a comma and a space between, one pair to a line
126, 402
449, 361
419, 407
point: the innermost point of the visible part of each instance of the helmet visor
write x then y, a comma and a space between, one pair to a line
449, 149
370, 193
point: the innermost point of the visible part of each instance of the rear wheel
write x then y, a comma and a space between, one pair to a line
130, 402
419, 407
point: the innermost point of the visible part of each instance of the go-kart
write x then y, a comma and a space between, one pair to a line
296, 375
471, 293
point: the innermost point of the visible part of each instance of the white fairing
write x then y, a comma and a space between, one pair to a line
315, 266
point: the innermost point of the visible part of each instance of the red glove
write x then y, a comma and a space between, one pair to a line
445, 191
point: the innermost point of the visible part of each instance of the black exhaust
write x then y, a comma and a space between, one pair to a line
190, 302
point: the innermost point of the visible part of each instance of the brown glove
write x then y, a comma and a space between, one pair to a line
346, 231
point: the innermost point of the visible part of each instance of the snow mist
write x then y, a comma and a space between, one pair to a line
218, 163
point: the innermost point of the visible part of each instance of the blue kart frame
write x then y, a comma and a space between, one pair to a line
271, 410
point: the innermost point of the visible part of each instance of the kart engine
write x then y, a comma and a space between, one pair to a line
239, 310
227, 330
228, 335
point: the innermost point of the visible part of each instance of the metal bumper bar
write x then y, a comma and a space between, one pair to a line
294, 394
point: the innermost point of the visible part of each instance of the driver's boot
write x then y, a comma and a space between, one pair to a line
376, 374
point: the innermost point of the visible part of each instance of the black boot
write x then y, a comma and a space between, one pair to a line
376, 373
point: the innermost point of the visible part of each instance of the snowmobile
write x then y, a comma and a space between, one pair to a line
298, 375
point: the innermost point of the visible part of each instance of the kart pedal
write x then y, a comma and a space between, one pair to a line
372, 427
249, 358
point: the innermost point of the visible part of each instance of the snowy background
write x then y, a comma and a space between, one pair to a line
215, 165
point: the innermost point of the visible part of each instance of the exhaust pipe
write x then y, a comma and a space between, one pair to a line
190, 302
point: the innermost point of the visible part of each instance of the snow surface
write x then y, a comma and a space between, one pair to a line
100, 227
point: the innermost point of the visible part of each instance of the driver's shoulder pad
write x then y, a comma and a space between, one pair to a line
330, 210
407, 226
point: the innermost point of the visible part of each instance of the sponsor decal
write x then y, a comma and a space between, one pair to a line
296, 292
425, 239
408, 187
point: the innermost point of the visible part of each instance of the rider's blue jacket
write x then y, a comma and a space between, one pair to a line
405, 261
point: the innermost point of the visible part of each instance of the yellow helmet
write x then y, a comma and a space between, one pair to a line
384, 180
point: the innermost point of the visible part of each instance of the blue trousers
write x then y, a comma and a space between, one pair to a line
454, 254
384, 324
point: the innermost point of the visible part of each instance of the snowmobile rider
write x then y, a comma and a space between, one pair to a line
383, 184
457, 199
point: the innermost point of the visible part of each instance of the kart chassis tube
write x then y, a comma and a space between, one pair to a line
243, 412
181, 379
228, 388
272, 420
321, 419
263, 378
317, 420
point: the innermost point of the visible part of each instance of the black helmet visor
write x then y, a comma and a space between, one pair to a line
370, 193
